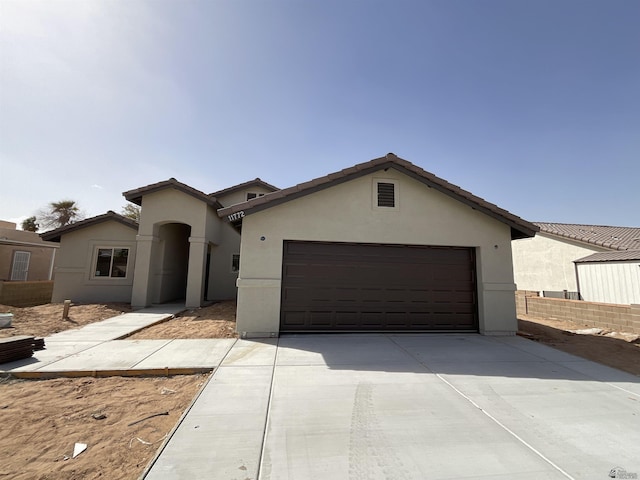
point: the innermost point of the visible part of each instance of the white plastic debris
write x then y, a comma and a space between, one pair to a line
588, 331
78, 449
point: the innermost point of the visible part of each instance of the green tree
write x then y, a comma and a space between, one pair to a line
60, 214
30, 224
132, 211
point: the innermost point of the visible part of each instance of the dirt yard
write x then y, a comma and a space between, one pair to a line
621, 353
215, 321
42, 419
45, 320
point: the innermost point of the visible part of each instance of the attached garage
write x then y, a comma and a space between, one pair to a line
352, 287
383, 246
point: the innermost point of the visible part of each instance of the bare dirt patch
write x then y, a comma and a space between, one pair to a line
44, 320
215, 321
620, 353
43, 419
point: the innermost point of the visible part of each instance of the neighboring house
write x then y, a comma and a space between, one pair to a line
610, 277
381, 246
546, 262
24, 256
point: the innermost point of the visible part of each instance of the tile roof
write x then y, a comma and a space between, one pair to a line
613, 238
620, 256
251, 183
136, 194
519, 228
54, 235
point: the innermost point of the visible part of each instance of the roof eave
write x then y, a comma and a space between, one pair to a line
519, 228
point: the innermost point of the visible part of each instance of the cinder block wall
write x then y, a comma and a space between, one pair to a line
619, 318
25, 294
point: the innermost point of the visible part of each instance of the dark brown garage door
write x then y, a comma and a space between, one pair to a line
362, 287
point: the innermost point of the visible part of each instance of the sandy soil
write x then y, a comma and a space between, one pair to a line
215, 321
43, 419
47, 319
620, 353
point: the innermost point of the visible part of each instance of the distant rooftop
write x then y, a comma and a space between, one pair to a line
613, 238
623, 256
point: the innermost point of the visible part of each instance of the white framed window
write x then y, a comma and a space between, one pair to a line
111, 262
20, 268
235, 263
251, 195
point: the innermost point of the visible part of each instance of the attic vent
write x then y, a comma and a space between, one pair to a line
386, 195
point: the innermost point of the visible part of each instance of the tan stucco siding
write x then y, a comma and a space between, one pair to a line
222, 280
156, 277
39, 260
545, 262
75, 261
173, 206
348, 213
240, 195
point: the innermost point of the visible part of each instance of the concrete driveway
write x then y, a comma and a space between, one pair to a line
406, 407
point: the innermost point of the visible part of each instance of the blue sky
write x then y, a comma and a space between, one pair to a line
532, 105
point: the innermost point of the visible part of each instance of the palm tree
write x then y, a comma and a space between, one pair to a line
60, 214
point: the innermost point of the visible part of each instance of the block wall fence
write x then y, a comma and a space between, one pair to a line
25, 294
619, 318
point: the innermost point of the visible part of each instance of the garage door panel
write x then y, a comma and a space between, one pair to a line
360, 287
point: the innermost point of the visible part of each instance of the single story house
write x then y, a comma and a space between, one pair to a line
545, 262
24, 256
381, 246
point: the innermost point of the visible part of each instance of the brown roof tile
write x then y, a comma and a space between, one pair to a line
617, 256
136, 194
256, 182
54, 235
519, 228
613, 238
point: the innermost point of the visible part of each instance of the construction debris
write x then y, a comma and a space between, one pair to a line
147, 418
78, 448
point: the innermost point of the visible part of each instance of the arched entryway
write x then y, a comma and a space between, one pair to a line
171, 263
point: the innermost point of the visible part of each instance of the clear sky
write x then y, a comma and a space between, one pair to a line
532, 105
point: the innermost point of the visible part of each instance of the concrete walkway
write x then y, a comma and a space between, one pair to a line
406, 407
94, 350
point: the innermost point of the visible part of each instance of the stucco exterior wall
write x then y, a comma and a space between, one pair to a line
74, 276
40, 258
222, 280
240, 195
154, 262
348, 213
545, 262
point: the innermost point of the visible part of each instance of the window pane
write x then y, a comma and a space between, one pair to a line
235, 263
103, 264
120, 256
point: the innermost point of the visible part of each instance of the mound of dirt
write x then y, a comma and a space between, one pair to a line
215, 321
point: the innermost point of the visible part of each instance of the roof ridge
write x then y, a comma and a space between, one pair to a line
520, 228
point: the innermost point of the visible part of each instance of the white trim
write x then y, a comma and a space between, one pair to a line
23, 263
374, 194
94, 262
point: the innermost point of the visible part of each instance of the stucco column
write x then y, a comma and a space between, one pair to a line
197, 268
142, 280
